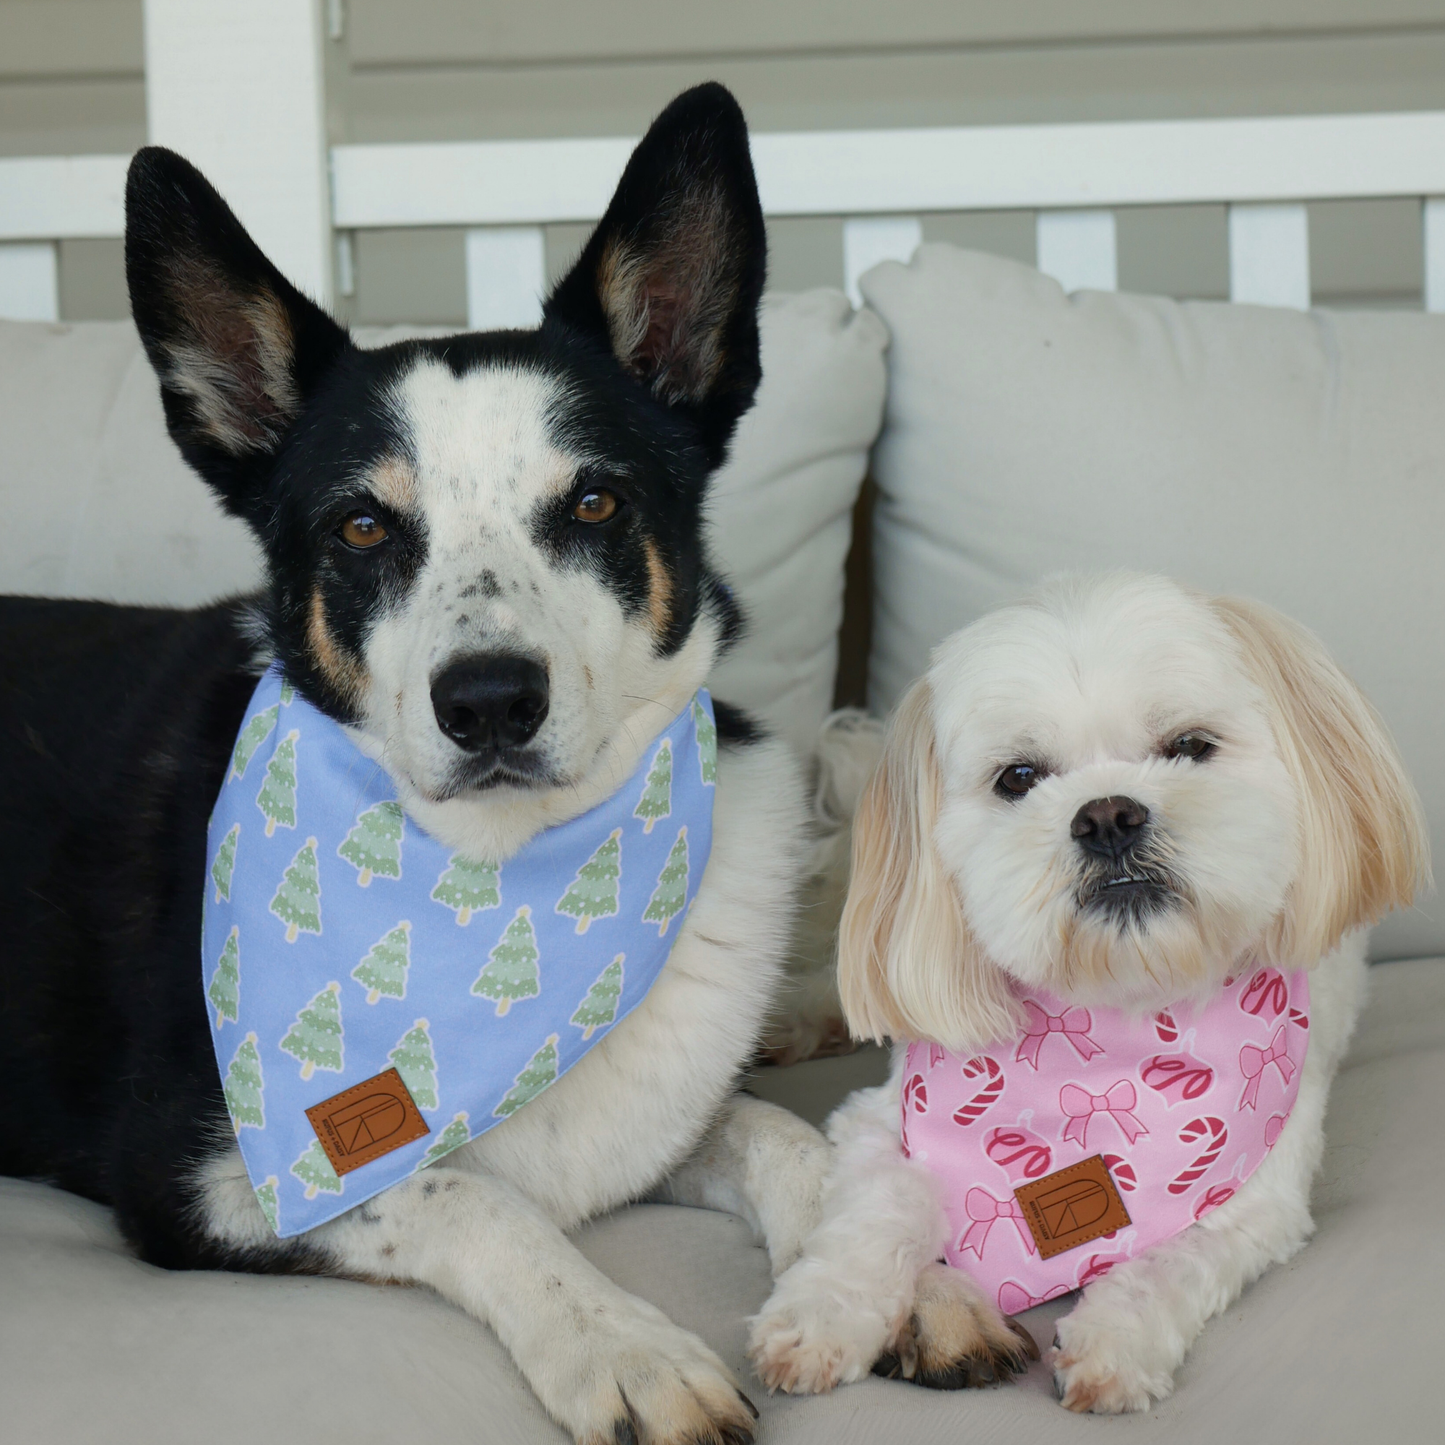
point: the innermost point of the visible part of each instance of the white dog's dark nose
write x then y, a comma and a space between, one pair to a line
493, 701
1109, 827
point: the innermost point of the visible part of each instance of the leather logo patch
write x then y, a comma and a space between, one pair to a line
366, 1121
1071, 1207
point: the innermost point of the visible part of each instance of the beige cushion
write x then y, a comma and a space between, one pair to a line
99, 503
1298, 458
1339, 1346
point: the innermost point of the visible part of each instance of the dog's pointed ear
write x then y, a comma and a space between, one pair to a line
908, 965
237, 348
671, 278
1364, 847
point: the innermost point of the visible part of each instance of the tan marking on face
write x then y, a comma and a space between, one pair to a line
394, 482
339, 668
659, 589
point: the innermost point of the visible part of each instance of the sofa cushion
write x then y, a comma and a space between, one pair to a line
100, 504
1337, 1346
1294, 457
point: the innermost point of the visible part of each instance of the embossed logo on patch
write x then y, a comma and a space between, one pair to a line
1071, 1207
366, 1121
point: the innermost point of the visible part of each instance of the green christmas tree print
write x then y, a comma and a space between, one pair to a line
224, 991
316, 1036
706, 742
599, 1008
667, 898
252, 736
656, 799
417, 1065
383, 970
298, 899
541, 1070
373, 846
593, 893
277, 798
288, 693
224, 863
266, 1198
314, 1170
243, 1087
452, 1137
510, 972
468, 886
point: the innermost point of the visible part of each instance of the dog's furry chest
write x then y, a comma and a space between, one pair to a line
611, 1127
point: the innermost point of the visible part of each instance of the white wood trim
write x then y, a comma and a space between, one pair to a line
1079, 249
29, 281
1269, 255
871, 239
237, 89
506, 277
905, 172
1433, 220
45, 197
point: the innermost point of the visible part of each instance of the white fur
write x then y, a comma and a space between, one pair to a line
486, 1229
1090, 682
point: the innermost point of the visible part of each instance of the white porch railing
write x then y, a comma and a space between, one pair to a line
240, 89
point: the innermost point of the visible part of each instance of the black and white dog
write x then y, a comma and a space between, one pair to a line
485, 557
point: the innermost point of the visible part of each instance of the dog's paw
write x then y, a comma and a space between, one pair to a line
814, 1334
955, 1339
640, 1380
1108, 1360
808, 1022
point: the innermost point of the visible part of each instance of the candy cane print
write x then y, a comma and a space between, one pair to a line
1165, 1026
915, 1095
987, 1096
1121, 1171
1218, 1135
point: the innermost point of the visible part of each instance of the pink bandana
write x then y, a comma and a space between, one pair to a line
1181, 1107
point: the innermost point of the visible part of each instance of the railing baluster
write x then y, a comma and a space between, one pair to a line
506, 276
1433, 219
867, 240
1079, 249
29, 281
1269, 256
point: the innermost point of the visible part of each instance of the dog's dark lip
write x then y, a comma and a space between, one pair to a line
475, 777
1128, 896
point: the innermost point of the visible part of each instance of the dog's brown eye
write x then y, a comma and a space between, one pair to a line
361, 530
596, 504
1017, 779
1194, 746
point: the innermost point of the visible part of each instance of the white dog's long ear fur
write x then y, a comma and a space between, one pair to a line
908, 967
1364, 845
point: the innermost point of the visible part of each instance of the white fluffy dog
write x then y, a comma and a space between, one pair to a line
1276, 823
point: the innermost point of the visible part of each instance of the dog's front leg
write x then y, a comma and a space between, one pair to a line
868, 1285
764, 1164
607, 1366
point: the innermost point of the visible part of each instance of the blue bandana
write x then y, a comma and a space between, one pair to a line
377, 1000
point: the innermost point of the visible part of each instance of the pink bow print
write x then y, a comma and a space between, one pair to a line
1073, 1024
1014, 1299
1254, 1061
984, 1210
1081, 1106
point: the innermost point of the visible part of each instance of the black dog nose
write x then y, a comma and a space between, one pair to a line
494, 701
1110, 826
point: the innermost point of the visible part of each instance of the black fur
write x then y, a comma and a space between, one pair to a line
117, 723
